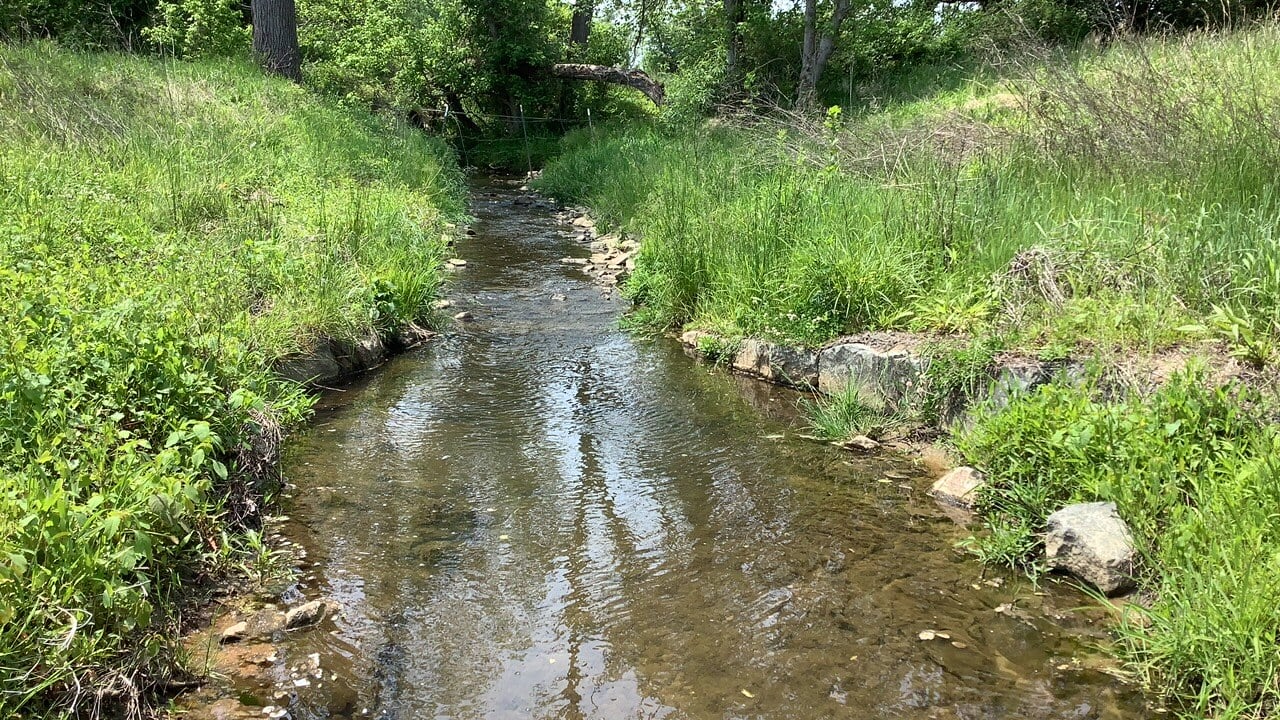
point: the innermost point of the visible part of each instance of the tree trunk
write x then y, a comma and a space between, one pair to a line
580, 30
637, 79
275, 37
733, 16
818, 48
807, 53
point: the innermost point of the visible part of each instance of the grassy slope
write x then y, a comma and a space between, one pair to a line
1137, 185
1101, 204
166, 231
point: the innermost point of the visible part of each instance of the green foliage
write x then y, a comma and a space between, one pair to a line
166, 232
484, 57
693, 92
1192, 470
717, 349
198, 28
1026, 210
763, 249
956, 373
98, 25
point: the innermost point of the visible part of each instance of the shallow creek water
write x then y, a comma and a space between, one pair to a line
542, 516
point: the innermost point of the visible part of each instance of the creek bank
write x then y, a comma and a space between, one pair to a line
890, 369
236, 648
885, 367
1089, 541
242, 656
331, 361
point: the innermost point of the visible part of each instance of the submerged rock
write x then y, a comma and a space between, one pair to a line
305, 615
959, 487
1092, 542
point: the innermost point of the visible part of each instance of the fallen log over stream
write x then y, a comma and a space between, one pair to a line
637, 79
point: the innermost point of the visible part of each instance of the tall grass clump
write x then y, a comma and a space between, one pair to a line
1123, 199
166, 232
1192, 469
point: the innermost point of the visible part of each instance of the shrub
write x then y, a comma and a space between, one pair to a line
198, 28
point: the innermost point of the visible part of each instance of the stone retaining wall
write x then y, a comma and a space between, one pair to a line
332, 361
888, 368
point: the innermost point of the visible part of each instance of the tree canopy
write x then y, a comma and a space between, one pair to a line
487, 61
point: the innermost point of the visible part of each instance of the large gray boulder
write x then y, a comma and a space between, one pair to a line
782, 364
893, 376
1092, 542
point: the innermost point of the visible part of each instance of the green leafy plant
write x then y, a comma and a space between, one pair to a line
198, 28
166, 232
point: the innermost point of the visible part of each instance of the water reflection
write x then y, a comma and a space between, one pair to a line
543, 517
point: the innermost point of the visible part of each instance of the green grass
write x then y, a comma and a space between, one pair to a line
1194, 473
1093, 202
848, 414
1088, 204
167, 231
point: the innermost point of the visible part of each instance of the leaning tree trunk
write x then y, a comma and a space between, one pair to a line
637, 79
275, 37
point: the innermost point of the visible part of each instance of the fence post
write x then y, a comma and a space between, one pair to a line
528, 158
591, 125
462, 141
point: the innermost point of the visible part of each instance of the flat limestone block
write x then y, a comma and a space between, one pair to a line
782, 364
959, 487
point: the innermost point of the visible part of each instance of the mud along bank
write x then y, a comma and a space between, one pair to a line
539, 515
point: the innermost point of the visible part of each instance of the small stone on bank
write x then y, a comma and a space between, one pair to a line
959, 487
235, 633
860, 442
1092, 542
464, 316
457, 262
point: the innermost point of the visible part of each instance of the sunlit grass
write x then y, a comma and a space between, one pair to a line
166, 232
1101, 201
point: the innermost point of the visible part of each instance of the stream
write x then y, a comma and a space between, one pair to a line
540, 515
